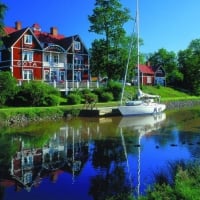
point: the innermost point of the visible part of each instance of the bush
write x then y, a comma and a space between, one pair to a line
74, 98
90, 98
115, 88
36, 93
8, 87
106, 96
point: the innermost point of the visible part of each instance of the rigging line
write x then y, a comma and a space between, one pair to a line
128, 61
138, 45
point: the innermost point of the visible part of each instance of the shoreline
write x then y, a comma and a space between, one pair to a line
25, 117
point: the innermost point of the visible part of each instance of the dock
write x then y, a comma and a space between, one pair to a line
100, 112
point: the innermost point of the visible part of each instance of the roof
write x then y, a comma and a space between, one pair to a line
13, 34
146, 69
12, 37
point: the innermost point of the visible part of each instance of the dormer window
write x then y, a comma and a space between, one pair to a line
77, 45
27, 39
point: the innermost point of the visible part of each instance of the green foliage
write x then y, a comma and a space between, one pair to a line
185, 186
36, 93
74, 98
8, 87
169, 62
115, 88
90, 98
3, 9
107, 55
189, 60
106, 96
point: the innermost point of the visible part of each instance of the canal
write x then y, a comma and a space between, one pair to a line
94, 158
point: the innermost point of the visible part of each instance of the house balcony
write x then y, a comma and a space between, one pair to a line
52, 64
77, 66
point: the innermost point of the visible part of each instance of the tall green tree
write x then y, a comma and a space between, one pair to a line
3, 8
189, 60
168, 60
108, 20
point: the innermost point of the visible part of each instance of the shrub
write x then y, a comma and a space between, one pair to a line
99, 92
115, 88
106, 96
8, 87
36, 93
90, 98
74, 98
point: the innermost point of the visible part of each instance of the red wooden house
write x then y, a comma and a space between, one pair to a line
152, 75
31, 54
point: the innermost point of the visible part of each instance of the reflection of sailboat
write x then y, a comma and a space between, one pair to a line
143, 125
145, 103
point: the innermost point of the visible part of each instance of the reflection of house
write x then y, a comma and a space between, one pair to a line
65, 151
152, 75
31, 54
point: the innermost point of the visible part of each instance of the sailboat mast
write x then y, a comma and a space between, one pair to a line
138, 43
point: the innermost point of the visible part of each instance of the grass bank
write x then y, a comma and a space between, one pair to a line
13, 115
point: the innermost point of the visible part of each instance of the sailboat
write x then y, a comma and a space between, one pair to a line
145, 104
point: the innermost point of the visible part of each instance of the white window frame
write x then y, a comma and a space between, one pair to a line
77, 45
62, 75
46, 75
149, 79
47, 58
55, 58
27, 74
28, 39
27, 56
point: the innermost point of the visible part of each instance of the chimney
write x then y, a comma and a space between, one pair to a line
54, 31
18, 25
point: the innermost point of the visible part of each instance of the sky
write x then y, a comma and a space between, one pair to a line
169, 24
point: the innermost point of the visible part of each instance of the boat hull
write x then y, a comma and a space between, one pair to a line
142, 109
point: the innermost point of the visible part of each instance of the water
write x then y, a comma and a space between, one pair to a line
92, 159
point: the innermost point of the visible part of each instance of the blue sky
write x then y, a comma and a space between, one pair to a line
169, 24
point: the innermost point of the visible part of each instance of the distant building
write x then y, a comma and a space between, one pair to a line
150, 75
31, 54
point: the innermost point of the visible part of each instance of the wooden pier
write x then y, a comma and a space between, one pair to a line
100, 112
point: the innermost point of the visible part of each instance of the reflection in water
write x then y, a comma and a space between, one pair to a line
65, 150
143, 125
93, 158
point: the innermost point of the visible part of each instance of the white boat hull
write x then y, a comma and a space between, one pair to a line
142, 109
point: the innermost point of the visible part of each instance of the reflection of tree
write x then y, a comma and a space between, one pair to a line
109, 156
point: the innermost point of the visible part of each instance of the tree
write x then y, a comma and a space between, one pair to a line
189, 60
3, 8
8, 87
108, 19
169, 62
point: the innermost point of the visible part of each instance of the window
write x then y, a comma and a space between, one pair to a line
46, 58
62, 75
55, 58
27, 74
77, 45
46, 75
53, 76
149, 79
27, 56
27, 39
0, 56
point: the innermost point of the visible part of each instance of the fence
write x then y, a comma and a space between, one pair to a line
67, 86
